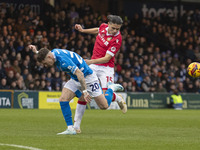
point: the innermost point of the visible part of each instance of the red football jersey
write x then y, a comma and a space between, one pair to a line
106, 43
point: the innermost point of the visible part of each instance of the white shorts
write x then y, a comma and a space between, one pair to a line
105, 74
92, 83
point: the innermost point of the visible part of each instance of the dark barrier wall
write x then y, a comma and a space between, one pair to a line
160, 100
25, 99
35, 5
31, 99
156, 8
6, 98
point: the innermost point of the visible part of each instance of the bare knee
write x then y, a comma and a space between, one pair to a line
62, 99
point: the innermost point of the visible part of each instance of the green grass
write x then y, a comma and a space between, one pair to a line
102, 130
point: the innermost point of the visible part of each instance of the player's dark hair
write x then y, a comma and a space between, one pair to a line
115, 19
42, 54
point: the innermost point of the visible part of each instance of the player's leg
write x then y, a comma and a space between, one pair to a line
94, 90
104, 101
66, 96
68, 93
118, 97
106, 75
80, 110
100, 99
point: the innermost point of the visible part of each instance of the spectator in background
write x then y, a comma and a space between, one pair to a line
56, 81
37, 84
25, 65
31, 86
2, 71
3, 84
48, 85
3, 47
57, 87
8, 67
29, 80
13, 85
43, 86
10, 77
190, 87
197, 86
20, 83
25, 73
16, 67
181, 87
19, 26
138, 79
146, 84
190, 53
142, 41
160, 88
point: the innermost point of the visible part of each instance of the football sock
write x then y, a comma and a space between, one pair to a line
116, 97
66, 111
109, 96
80, 110
70, 127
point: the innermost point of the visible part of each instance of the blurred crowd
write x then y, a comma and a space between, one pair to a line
154, 55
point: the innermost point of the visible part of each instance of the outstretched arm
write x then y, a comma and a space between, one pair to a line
102, 60
81, 79
88, 31
33, 48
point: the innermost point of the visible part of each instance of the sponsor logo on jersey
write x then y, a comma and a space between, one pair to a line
113, 49
70, 67
102, 38
109, 38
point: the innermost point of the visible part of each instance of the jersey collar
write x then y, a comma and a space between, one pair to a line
110, 34
54, 56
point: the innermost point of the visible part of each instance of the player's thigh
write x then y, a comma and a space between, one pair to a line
67, 95
70, 90
101, 101
105, 75
95, 91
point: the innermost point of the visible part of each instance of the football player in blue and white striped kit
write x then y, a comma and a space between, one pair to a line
83, 81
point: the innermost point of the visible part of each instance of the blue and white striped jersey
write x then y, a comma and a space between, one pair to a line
68, 62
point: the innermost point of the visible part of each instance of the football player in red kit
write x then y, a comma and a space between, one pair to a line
107, 44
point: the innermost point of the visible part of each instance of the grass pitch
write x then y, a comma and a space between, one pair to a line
102, 130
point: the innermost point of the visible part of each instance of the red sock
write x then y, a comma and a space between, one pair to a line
114, 97
82, 102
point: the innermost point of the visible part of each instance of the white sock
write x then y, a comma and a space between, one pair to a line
70, 127
80, 109
117, 97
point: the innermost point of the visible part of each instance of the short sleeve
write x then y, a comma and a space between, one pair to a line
114, 47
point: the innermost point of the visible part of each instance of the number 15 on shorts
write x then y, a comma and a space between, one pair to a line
109, 79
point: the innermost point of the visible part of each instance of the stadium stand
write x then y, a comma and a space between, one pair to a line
154, 55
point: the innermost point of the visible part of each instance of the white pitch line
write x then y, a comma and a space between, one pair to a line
20, 146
